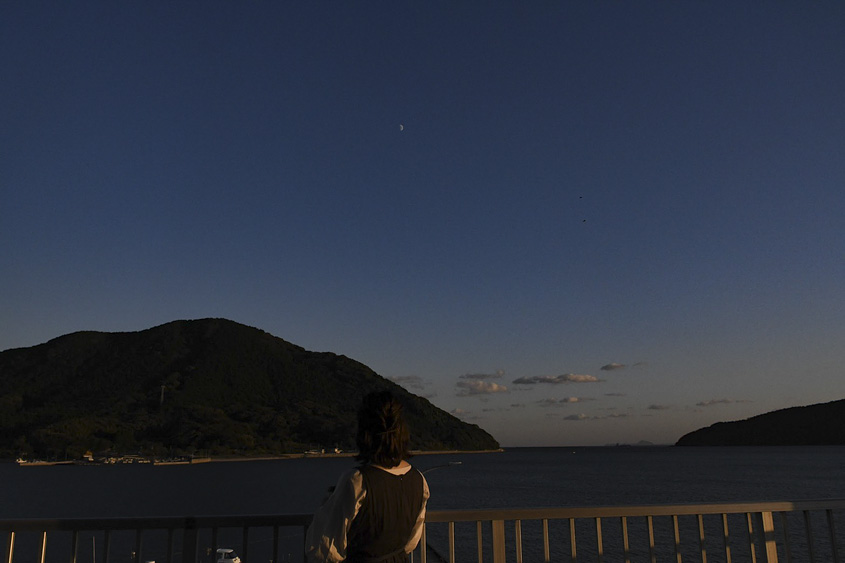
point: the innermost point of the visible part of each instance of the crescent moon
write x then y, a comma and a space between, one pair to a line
401, 127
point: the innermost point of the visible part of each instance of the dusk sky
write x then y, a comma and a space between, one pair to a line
568, 222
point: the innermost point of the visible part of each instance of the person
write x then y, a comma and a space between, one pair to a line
376, 511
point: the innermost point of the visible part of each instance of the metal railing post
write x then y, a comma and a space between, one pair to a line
832, 530
189, 541
43, 546
768, 537
498, 541
10, 546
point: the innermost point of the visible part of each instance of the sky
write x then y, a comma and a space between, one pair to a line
567, 222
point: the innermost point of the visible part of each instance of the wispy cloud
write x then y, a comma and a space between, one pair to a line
565, 401
659, 407
557, 379
613, 366
479, 387
582, 416
412, 381
495, 375
712, 402
615, 395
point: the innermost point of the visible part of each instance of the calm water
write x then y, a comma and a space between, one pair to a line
519, 477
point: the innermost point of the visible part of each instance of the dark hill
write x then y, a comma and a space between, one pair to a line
822, 424
208, 385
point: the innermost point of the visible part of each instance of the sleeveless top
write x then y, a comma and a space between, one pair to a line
383, 525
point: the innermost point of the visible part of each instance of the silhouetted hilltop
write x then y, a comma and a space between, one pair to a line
822, 424
209, 385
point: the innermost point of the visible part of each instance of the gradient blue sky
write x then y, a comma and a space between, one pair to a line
571, 223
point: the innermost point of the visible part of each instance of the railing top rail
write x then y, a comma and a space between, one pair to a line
156, 523
630, 511
259, 520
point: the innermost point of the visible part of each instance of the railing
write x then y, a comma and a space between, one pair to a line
801, 531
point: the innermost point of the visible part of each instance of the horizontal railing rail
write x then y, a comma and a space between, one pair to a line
799, 531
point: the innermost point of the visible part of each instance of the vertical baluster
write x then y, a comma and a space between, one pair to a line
74, 545
139, 544
650, 522
546, 551
626, 549
498, 539
480, 544
212, 557
43, 545
599, 545
787, 547
517, 525
832, 529
423, 545
169, 555
701, 549
573, 555
189, 541
10, 546
750, 529
452, 542
677, 538
106, 546
245, 544
811, 550
726, 536
768, 537
275, 544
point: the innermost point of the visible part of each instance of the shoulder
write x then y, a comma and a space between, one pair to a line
350, 481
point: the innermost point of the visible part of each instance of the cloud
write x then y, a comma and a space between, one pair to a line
583, 416
412, 381
495, 375
615, 395
712, 402
613, 366
565, 401
479, 387
658, 407
459, 412
640, 365
556, 379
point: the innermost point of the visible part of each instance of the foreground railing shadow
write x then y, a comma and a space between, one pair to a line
800, 531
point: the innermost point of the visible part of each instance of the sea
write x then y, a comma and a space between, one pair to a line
513, 478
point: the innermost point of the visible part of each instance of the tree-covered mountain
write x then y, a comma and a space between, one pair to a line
209, 385
821, 424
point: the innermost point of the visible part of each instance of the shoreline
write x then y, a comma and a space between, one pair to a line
238, 458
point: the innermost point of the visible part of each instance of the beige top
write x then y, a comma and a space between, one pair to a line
325, 539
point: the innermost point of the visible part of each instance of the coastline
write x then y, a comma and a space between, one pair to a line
276, 457
238, 458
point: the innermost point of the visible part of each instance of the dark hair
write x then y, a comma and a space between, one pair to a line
382, 436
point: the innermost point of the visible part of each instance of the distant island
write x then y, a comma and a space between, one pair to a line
210, 387
821, 424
